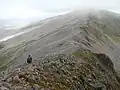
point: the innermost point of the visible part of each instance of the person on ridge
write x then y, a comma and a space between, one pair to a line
29, 59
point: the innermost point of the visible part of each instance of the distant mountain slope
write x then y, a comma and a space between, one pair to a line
9, 27
93, 30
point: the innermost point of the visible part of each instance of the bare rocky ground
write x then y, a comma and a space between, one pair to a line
96, 31
75, 71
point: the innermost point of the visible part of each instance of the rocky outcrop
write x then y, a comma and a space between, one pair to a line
75, 71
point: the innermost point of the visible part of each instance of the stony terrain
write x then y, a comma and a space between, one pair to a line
92, 37
76, 71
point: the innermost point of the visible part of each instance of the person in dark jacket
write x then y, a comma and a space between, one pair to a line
29, 59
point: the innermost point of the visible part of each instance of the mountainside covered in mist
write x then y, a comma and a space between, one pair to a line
10, 27
93, 38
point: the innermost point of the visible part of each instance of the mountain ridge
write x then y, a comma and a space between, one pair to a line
95, 31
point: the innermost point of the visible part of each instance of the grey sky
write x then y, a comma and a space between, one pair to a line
40, 8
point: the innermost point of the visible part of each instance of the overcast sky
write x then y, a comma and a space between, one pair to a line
41, 8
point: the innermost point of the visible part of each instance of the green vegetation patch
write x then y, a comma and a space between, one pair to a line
116, 38
87, 56
3, 62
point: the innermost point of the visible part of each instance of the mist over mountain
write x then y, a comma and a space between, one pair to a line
76, 51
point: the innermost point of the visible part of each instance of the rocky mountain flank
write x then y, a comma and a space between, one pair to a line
76, 51
81, 70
